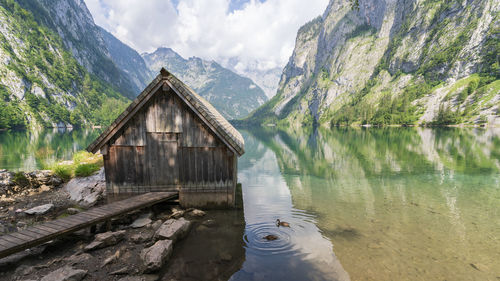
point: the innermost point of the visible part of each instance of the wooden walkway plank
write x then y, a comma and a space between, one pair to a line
35, 235
35, 231
44, 228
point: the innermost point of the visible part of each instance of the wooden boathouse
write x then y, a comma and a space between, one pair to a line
171, 139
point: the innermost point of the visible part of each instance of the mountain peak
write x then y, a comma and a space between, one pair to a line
233, 95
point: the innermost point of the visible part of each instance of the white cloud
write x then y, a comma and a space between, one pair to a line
259, 35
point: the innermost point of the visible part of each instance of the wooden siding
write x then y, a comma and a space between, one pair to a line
166, 146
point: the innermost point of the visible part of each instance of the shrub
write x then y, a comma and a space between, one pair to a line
65, 172
446, 116
472, 86
84, 157
21, 180
81, 156
85, 170
462, 96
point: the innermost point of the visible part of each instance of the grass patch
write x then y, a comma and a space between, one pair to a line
87, 169
65, 172
84, 164
87, 157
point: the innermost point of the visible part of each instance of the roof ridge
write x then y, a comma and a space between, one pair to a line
204, 108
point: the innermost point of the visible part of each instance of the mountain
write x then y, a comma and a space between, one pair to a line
233, 95
42, 84
268, 80
73, 22
128, 60
392, 62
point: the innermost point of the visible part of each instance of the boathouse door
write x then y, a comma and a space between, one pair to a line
162, 153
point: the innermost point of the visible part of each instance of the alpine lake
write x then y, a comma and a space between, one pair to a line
362, 203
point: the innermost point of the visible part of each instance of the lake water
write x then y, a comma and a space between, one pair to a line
363, 204
28, 151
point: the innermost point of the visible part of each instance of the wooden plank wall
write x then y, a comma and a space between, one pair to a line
164, 147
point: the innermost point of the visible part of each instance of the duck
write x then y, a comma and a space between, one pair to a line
282, 223
270, 237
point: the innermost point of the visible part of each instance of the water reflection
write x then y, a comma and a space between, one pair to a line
397, 203
23, 150
300, 252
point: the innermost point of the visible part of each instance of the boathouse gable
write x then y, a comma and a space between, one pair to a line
169, 139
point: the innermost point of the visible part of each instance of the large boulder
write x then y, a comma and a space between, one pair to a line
173, 229
141, 237
66, 273
105, 239
87, 191
142, 221
39, 210
155, 256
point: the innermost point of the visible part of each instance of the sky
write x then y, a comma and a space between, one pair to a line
249, 34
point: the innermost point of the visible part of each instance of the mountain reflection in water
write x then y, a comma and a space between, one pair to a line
389, 204
301, 252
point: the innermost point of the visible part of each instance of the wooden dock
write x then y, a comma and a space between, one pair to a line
35, 235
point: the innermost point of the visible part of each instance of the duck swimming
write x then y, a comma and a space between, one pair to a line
270, 237
282, 223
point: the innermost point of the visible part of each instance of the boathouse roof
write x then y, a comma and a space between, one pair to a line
202, 108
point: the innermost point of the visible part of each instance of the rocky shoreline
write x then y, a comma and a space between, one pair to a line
163, 242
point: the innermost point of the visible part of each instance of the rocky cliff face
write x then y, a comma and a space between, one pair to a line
128, 60
41, 82
73, 22
393, 62
233, 95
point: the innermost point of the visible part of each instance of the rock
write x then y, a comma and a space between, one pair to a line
202, 228
141, 237
197, 213
479, 267
145, 277
209, 223
105, 239
39, 210
21, 224
44, 187
176, 213
43, 177
6, 181
66, 273
155, 256
154, 226
72, 211
142, 221
121, 271
15, 258
87, 191
173, 229
111, 258
78, 258
24, 270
